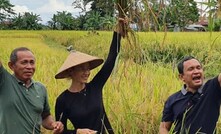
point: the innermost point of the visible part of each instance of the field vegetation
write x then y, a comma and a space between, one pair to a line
135, 93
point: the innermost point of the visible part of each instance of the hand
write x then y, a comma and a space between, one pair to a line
58, 127
122, 26
86, 131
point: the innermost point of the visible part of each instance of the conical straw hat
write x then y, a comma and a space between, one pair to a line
77, 58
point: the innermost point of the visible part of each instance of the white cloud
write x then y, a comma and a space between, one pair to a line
54, 5
44, 8
47, 10
20, 9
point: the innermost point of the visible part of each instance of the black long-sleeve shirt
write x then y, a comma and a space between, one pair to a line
85, 109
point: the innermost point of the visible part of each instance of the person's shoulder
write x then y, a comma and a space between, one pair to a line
208, 80
211, 82
2, 68
61, 99
39, 84
175, 96
62, 95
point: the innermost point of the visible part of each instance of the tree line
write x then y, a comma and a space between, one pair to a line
152, 15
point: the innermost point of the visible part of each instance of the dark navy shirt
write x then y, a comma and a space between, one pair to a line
199, 112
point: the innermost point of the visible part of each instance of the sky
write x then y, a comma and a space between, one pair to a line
44, 8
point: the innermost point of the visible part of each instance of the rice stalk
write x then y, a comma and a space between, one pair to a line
132, 49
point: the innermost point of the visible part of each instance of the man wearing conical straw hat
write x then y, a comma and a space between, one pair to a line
82, 102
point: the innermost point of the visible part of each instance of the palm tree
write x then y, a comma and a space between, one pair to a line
93, 20
62, 20
107, 22
5, 9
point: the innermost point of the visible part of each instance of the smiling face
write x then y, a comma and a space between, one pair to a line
192, 74
24, 67
80, 73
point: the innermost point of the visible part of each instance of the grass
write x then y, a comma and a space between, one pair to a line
135, 93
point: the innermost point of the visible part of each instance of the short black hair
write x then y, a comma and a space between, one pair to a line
14, 57
180, 64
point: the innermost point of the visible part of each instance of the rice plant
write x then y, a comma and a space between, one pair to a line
135, 93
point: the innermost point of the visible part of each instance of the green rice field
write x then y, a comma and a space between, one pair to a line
144, 76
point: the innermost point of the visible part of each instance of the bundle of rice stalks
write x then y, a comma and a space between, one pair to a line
133, 50
122, 7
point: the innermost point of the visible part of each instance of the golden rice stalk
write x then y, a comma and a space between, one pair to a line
124, 8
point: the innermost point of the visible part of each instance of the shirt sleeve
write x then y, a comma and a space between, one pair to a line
3, 75
214, 87
61, 116
46, 107
167, 112
101, 77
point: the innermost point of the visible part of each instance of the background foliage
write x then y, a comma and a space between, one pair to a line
148, 15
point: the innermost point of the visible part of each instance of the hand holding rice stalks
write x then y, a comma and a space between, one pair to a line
133, 50
122, 8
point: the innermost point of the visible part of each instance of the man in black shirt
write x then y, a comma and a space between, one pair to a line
195, 108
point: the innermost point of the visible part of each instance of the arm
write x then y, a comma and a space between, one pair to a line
50, 124
165, 127
219, 79
102, 76
60, 115
48, 121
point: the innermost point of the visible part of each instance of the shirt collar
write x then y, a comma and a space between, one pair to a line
22, 83
184, 91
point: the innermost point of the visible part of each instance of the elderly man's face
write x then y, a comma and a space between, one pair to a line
24, 67
192, 74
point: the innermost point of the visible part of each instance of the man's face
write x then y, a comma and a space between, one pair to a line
192, 74
24, 67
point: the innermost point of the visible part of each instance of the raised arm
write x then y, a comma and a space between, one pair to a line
102, 76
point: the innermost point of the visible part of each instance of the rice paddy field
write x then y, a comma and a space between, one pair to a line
144, 76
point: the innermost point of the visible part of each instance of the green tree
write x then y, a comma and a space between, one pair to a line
107, 22
104, 7
62, 21
93, 21
81, 4
5, 13
213, 9
52, 23
27, 21
183, 12
79, 22
5, 9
